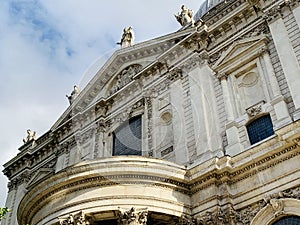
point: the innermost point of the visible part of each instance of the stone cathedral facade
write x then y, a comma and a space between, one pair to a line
197, 127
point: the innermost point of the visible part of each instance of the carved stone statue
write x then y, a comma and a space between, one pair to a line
186, 16
132, 217
74, 94
127, 38
31, 135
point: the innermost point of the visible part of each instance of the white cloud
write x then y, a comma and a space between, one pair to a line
46, 46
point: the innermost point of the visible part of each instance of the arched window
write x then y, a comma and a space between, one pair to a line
260, 129
291, 220
127, 139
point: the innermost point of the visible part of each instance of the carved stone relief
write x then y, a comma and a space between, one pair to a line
277, 206
125, 77
133, 217
255, 110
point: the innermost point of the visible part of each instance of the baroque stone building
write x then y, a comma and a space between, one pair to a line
197, 127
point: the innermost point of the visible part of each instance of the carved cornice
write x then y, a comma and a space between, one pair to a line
261, 31
254, 2
273, 13
220, 11
194, 60
247, 170
292, 3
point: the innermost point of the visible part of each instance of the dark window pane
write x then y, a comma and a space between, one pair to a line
260, 129
291, 220
128, 138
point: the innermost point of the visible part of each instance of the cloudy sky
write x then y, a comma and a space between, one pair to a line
47, 46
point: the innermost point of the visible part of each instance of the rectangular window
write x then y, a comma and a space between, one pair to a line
127, 139
260, 129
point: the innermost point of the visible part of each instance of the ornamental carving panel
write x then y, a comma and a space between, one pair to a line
125, 77
255, 110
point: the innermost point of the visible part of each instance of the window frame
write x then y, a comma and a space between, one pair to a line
266, 133
125, 125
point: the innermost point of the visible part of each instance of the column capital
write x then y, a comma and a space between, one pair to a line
133, 217
222, 76
263, 50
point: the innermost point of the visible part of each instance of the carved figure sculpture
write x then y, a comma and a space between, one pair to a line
74, 94
127, 38
186, 16
31, 135
125, 77
132, 217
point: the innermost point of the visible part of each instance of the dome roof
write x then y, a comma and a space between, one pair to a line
206, 6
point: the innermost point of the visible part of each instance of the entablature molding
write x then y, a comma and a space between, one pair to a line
223, 11
275, 11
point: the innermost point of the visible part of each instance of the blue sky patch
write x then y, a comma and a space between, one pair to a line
38, 26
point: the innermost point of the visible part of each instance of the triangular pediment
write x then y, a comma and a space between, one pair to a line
39, 175
138, 57
239, 49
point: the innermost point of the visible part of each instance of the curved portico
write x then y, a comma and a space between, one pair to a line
107, 185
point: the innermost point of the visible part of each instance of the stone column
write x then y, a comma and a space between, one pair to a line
277, 100
204, 110
100, 140
232, 128
270, 72
286, 55
177, 98
226, 95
